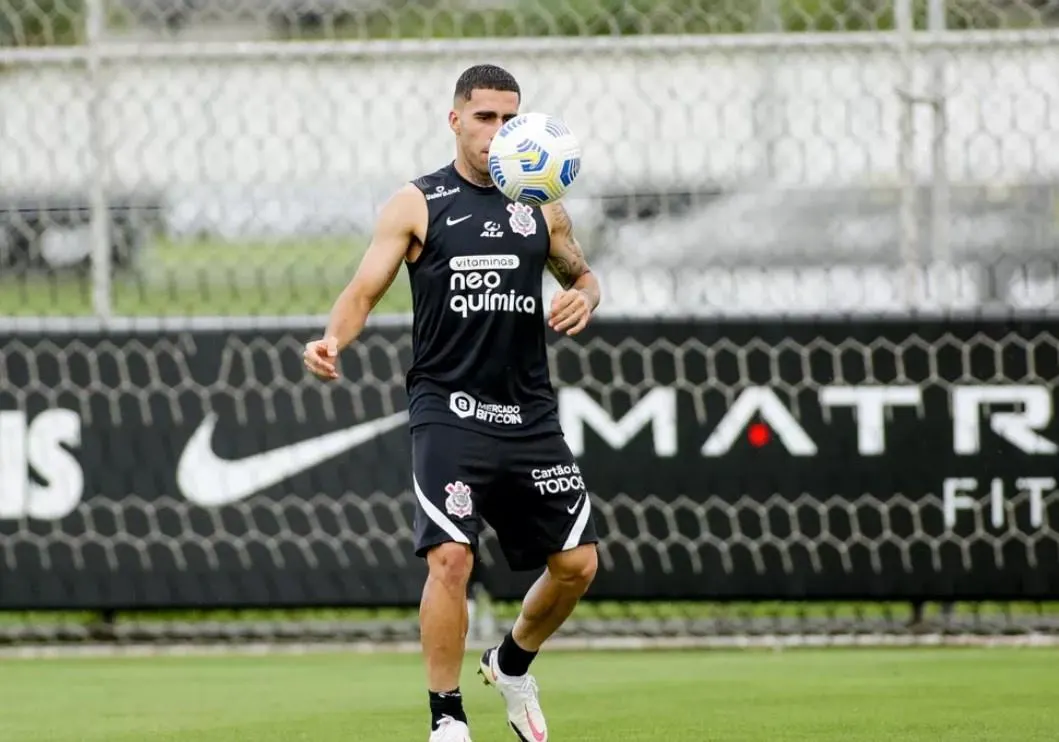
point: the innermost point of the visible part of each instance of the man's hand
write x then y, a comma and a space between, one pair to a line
571, 310
321, 358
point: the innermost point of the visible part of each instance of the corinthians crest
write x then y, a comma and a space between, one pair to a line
458, 503
522, 221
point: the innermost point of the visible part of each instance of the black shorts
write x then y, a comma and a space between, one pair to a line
529, 490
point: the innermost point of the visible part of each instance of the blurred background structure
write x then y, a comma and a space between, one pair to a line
890, 154
186, 184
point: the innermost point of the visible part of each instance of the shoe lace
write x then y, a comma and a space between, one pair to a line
447, 727
527, 687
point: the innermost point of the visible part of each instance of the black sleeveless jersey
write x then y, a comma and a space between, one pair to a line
479, 359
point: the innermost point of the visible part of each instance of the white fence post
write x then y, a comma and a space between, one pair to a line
907, 221
939, 201
98, 208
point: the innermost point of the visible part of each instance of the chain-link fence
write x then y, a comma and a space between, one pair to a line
226, 158
174, 157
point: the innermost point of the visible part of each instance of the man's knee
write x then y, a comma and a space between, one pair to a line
451, 564
576, 567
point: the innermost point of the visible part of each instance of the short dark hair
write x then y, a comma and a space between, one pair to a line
485, 77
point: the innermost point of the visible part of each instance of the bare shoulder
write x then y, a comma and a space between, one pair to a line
405, 210
401, 223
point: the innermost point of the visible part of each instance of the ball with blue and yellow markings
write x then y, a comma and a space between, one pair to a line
534, 159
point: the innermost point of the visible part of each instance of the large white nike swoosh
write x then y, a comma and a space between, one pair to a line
209, 481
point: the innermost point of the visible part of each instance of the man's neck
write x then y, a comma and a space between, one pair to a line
472, 174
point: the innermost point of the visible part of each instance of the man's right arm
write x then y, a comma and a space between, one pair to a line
395, 230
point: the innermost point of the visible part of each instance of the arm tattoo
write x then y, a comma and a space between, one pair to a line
566, 261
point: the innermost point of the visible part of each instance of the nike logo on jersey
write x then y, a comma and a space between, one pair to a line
450, 221
210, 481
573, 507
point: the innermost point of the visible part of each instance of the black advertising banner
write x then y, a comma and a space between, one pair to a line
888, 459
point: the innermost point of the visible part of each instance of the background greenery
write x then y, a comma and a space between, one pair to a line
208, 277
40, 22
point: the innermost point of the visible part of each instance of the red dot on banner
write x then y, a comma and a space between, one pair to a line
758, 434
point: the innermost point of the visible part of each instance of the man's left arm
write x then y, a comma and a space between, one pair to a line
573, 306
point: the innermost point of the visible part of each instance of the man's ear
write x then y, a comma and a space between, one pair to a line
454, 122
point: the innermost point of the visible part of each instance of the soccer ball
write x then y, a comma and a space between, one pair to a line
534, 159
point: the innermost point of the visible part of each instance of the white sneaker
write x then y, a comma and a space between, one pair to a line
524, 714
450, 730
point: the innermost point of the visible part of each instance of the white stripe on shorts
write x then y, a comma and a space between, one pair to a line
439, 517
579, 525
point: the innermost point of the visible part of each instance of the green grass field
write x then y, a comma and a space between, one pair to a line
835, 614
888, 695
210, 278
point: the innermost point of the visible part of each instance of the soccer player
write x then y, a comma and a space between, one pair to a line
486, 440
